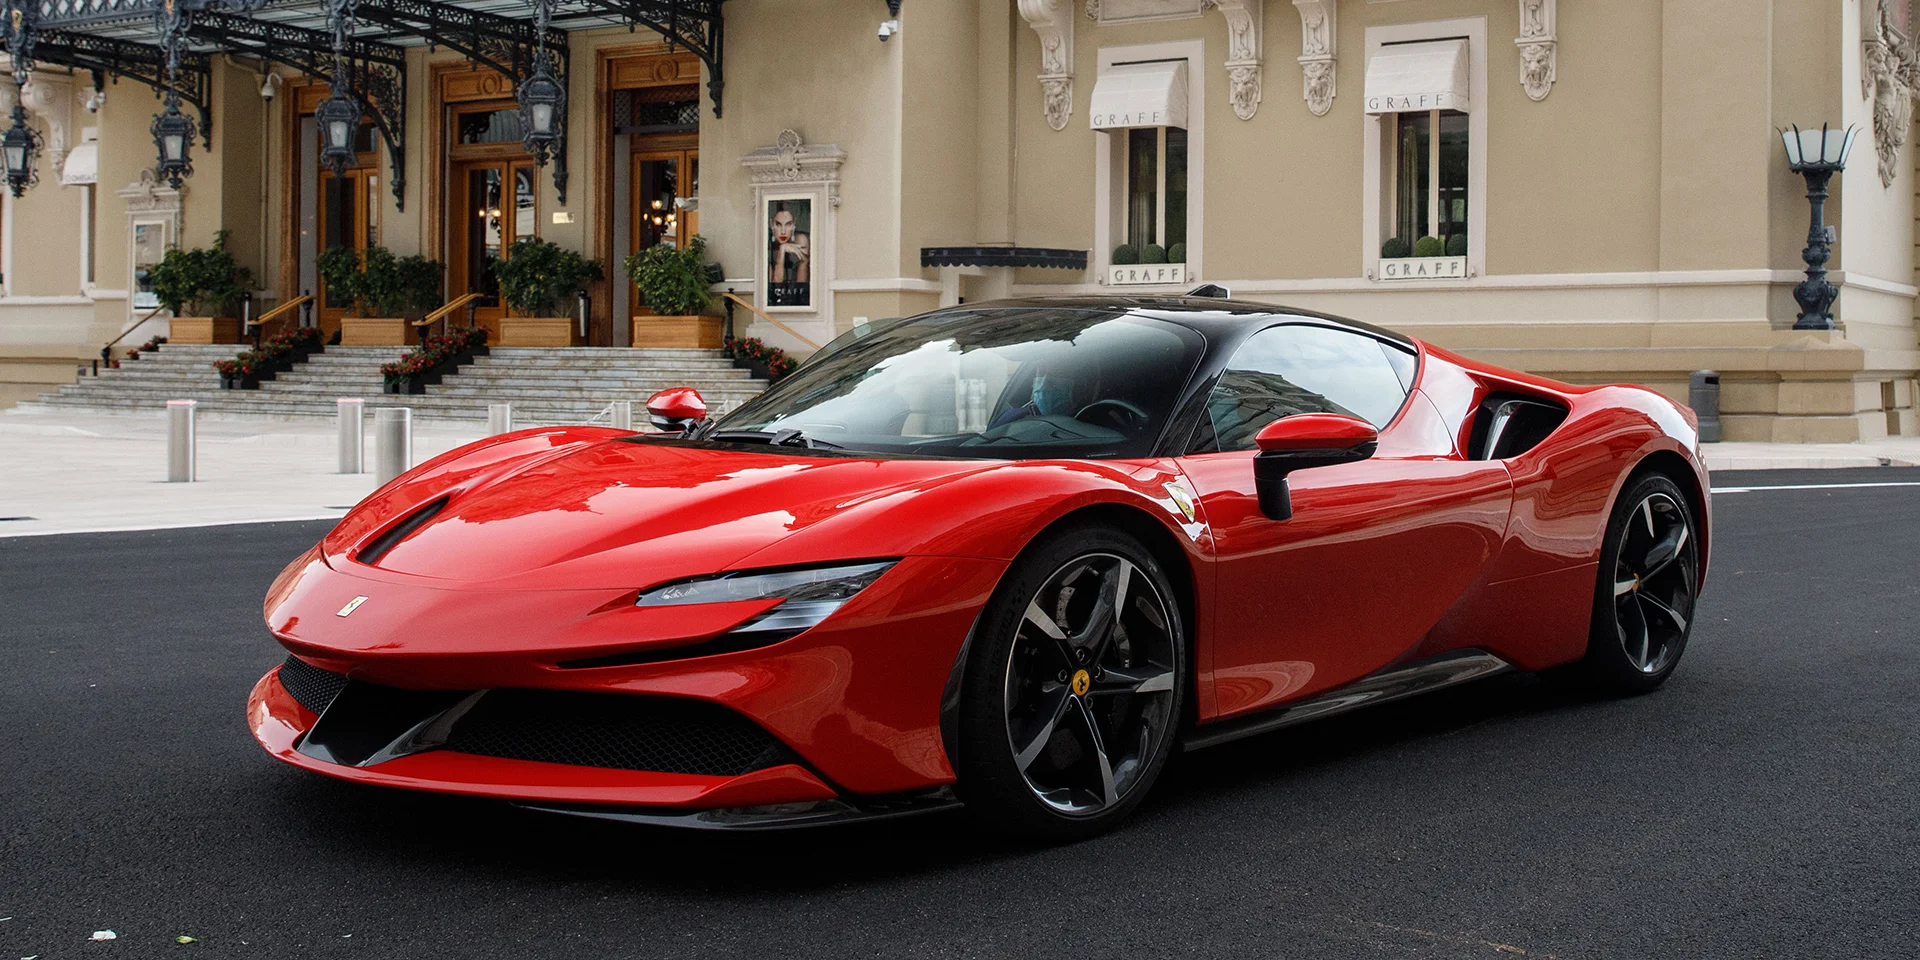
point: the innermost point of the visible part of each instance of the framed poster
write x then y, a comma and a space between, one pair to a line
788, 234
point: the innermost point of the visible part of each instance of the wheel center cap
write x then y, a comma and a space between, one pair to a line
1082, 681
1636, 583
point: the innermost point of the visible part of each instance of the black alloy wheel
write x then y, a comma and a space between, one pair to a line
1075, 695
1649, 580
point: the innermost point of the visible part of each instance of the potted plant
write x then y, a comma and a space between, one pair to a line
437, 356
766, 363
538, 281
1429, 247
383, 293
241, 373
200, 288
674, 286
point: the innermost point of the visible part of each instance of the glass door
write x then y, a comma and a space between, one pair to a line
349, 217
659, 177
494, 204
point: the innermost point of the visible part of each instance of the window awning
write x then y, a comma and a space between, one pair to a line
1419, 76
1141, 95
83, 164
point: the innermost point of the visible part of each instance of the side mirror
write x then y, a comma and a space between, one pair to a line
676, 409
1300, 442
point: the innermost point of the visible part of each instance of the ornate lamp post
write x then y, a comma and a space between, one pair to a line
20, 145
1817, 155
543, 104
338, 117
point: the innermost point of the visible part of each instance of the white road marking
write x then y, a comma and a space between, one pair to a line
1819, 486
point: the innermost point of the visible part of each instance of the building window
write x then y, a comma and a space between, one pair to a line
1156, 187
1429, 175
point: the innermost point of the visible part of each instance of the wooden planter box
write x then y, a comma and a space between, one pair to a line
204, 330
375, 332
536, 331
682, 331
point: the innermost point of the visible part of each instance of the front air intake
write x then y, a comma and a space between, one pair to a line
378, 546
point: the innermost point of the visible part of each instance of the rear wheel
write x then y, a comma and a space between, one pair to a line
1075, 688
1649, 578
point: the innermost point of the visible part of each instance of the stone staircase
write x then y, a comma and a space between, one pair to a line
546, 385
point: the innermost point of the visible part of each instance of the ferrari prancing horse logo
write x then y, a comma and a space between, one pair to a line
351, 606
1081, 682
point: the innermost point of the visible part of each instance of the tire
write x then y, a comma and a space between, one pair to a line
1065, 725
1643, 599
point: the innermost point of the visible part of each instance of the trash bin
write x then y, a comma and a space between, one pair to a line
1703, 395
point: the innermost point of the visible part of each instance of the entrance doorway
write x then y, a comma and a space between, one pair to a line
329, 211
349, 217
492, 201
658, 179
653, 122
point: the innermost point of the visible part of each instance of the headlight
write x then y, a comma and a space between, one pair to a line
806, 596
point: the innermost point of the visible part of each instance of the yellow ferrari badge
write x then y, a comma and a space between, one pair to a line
1082, 681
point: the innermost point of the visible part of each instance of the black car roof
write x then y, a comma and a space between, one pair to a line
1213, 317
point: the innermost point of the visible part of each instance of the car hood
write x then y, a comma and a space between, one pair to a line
627, 513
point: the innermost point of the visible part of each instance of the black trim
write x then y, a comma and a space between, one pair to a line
1384, 686
1046, 257
378, 546
781, 816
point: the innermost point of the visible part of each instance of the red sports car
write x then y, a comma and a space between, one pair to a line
1009, 556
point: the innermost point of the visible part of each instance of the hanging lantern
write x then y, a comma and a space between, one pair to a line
20, 148
338, 118
543, 107
173, 134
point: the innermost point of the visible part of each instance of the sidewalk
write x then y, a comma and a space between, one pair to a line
68, 473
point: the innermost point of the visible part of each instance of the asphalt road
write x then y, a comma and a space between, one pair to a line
1765, 803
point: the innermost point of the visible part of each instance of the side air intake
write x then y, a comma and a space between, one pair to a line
1510, 424
378, 546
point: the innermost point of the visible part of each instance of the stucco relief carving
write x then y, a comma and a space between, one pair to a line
789, 160
1052, 20
1318, 36
50, 97
1244, 52
1890, 77
1539, 44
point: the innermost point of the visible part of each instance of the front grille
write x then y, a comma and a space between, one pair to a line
313, 687
659, 734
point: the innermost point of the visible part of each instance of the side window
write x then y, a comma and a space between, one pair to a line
1285, 370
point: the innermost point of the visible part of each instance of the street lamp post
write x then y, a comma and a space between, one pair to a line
1817, 155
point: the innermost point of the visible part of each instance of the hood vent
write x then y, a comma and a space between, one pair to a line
378, 546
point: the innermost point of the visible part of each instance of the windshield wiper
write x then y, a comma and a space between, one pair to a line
784, 437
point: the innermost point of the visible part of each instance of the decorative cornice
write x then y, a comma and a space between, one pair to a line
1052, 20
1319, 38
791, 161
1539, 45
1890, 77
1245, 19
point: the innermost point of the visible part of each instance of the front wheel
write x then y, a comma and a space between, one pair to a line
1074, 691
1649, 579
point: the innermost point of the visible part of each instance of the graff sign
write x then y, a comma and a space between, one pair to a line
1147, 273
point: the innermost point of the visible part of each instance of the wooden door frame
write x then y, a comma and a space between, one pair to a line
300, 96
689, 149
632, 66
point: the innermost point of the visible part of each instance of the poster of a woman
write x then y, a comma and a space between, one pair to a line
789, 253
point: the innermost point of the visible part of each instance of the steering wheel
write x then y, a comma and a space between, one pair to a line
1121, 410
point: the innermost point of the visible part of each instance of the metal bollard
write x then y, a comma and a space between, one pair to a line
392, 442
622, 414
1703, 395
353, 435
499, 419
180, 441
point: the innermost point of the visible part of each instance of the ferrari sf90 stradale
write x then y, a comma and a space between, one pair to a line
1009, 556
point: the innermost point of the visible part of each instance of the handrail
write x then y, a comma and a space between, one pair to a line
797, 335
443, 312
136, 325
275, 313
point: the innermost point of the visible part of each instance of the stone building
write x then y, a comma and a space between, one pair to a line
1601, 188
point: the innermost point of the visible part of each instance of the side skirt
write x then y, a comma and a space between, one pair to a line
1390, 685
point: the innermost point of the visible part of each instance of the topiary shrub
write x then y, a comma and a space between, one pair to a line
1125, 255
1396, 249
538, 277
1177, 253
1153, 253
1429, 247
202, 282
1457, 245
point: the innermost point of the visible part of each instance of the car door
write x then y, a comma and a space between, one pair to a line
1375, 552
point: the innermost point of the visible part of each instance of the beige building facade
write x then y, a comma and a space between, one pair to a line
1601, 187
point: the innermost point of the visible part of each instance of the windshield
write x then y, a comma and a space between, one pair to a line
1009, 384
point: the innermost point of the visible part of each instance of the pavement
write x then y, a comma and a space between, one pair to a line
1764, 803
65, 473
